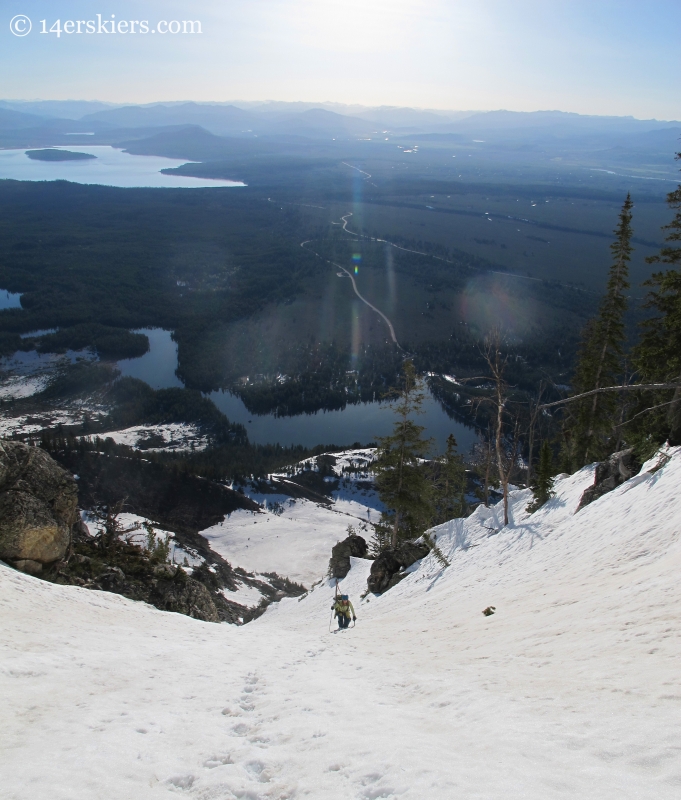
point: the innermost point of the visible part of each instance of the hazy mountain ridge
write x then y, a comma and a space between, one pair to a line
313, 120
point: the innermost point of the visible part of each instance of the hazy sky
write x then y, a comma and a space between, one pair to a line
589, 56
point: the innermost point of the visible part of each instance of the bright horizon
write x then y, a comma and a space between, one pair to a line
600, 58
346, 108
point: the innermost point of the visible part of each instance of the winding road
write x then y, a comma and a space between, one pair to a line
348, 274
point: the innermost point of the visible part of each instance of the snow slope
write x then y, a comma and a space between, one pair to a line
571, 690
294, 536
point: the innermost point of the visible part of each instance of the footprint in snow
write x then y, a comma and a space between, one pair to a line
181, 781
241, 729
217, 761
259, 770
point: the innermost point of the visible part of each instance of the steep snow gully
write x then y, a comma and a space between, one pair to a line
571, 690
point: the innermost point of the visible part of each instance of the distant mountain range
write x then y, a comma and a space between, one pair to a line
307, 119
189, 127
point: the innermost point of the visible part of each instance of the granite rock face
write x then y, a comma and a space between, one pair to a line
385, 571
38, 501
165, 586
354, 546
610, 474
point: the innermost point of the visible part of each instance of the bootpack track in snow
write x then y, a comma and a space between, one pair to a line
570, 690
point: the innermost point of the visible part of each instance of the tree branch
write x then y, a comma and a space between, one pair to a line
625, 388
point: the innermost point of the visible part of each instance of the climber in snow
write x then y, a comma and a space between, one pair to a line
344, 611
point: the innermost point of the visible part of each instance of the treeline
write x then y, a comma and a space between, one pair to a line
135, 402
629, 395
327, 376
230, 461
622, 397
105, 341
624, 391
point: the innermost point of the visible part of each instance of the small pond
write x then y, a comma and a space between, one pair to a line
156, 367
9, 299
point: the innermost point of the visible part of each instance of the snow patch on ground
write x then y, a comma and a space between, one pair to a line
295, 543
17, 386
171, 436
247, 596
26, 424
294, 536
138, 535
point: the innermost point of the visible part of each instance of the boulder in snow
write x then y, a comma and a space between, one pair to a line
610, 474
354, 546
37, 507
385, 569
184, 596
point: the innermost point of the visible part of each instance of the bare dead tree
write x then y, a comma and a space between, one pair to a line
535, 412
506, 458
483, 460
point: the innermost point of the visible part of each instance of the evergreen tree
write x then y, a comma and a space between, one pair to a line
449, 484
401, 478
542, 482
658, 355
588, 428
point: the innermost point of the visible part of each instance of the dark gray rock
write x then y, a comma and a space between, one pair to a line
165, 586
408, 553
185, 597
385, 571
610, 474
382, 571
37, 506
354, 546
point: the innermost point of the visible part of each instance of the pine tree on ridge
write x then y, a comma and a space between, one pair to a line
588, 428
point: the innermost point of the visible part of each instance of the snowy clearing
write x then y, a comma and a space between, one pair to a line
128, 521
171, 436
18, 386
25, 424
571, 690
294, 536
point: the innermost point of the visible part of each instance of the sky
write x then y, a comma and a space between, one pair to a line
586, 56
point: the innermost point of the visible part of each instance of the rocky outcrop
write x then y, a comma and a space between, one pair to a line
37, 507
354, 546
610, 474
141, 574
167, 587
133, 572
386, 569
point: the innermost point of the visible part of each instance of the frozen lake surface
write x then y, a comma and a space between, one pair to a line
111, 167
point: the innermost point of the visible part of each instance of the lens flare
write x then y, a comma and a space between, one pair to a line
390, 276
356, 334
488, 304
